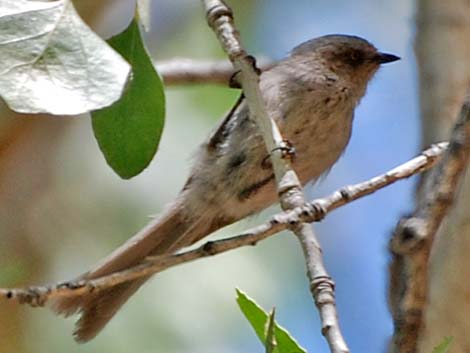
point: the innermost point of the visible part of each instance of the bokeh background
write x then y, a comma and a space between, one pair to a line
62, 208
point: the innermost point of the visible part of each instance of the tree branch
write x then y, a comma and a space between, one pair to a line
310, 212
183, 71
414, 236
220, 18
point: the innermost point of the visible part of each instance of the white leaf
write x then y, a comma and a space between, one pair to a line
51, 62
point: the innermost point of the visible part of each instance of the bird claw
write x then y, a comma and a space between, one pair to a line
235, 80
287, 151
252, 61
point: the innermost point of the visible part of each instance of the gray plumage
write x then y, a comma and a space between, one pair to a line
311, 95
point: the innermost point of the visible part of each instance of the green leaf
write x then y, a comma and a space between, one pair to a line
286, 343
254, 313
51, 62
259, 320
128, 132
444, 346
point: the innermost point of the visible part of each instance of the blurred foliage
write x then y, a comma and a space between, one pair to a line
14, 272
444, 346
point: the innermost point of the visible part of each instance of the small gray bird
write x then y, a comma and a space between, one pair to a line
311, 95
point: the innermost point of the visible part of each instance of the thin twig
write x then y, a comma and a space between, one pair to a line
311, 212
182, 71
220, 18
414, 236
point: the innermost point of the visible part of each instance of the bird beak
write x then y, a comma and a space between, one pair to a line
384, 58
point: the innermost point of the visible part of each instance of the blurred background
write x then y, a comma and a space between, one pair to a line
62, 208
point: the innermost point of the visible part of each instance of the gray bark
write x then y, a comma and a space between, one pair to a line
443, 53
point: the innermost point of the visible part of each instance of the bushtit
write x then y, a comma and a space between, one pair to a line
311, 95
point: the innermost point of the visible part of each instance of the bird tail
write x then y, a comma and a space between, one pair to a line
166, 234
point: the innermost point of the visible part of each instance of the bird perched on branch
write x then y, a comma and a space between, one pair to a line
312, 95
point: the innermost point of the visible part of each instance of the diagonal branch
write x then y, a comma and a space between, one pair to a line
310, 212
414, 236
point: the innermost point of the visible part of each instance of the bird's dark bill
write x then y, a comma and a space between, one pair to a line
387, 58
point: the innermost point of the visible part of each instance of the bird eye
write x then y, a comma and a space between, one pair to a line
355, 57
